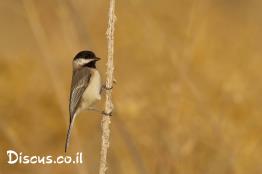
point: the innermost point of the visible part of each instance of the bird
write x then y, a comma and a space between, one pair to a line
86, 87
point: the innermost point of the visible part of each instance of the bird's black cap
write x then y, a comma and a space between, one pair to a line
85, 55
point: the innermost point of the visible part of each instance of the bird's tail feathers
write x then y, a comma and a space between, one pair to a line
69, 133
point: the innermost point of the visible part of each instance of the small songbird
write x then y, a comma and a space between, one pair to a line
86, 86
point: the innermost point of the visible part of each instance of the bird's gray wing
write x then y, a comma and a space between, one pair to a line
80, 82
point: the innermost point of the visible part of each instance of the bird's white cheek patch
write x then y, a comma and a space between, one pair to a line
83, 61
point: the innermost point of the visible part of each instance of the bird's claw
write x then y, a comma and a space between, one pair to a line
107, 88
107, 114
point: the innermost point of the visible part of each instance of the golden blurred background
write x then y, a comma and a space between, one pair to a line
188, 92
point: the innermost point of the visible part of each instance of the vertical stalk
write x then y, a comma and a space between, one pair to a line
109, 82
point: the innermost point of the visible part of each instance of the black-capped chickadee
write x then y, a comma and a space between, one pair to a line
86, 86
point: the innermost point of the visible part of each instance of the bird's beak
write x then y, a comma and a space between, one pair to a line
97, 58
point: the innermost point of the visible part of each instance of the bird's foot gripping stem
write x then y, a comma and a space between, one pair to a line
107, 88
107, 114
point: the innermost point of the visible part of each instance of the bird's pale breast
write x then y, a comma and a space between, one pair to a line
92, 92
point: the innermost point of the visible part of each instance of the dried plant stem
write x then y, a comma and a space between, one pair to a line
109, 82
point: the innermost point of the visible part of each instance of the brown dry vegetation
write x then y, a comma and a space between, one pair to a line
189, 85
